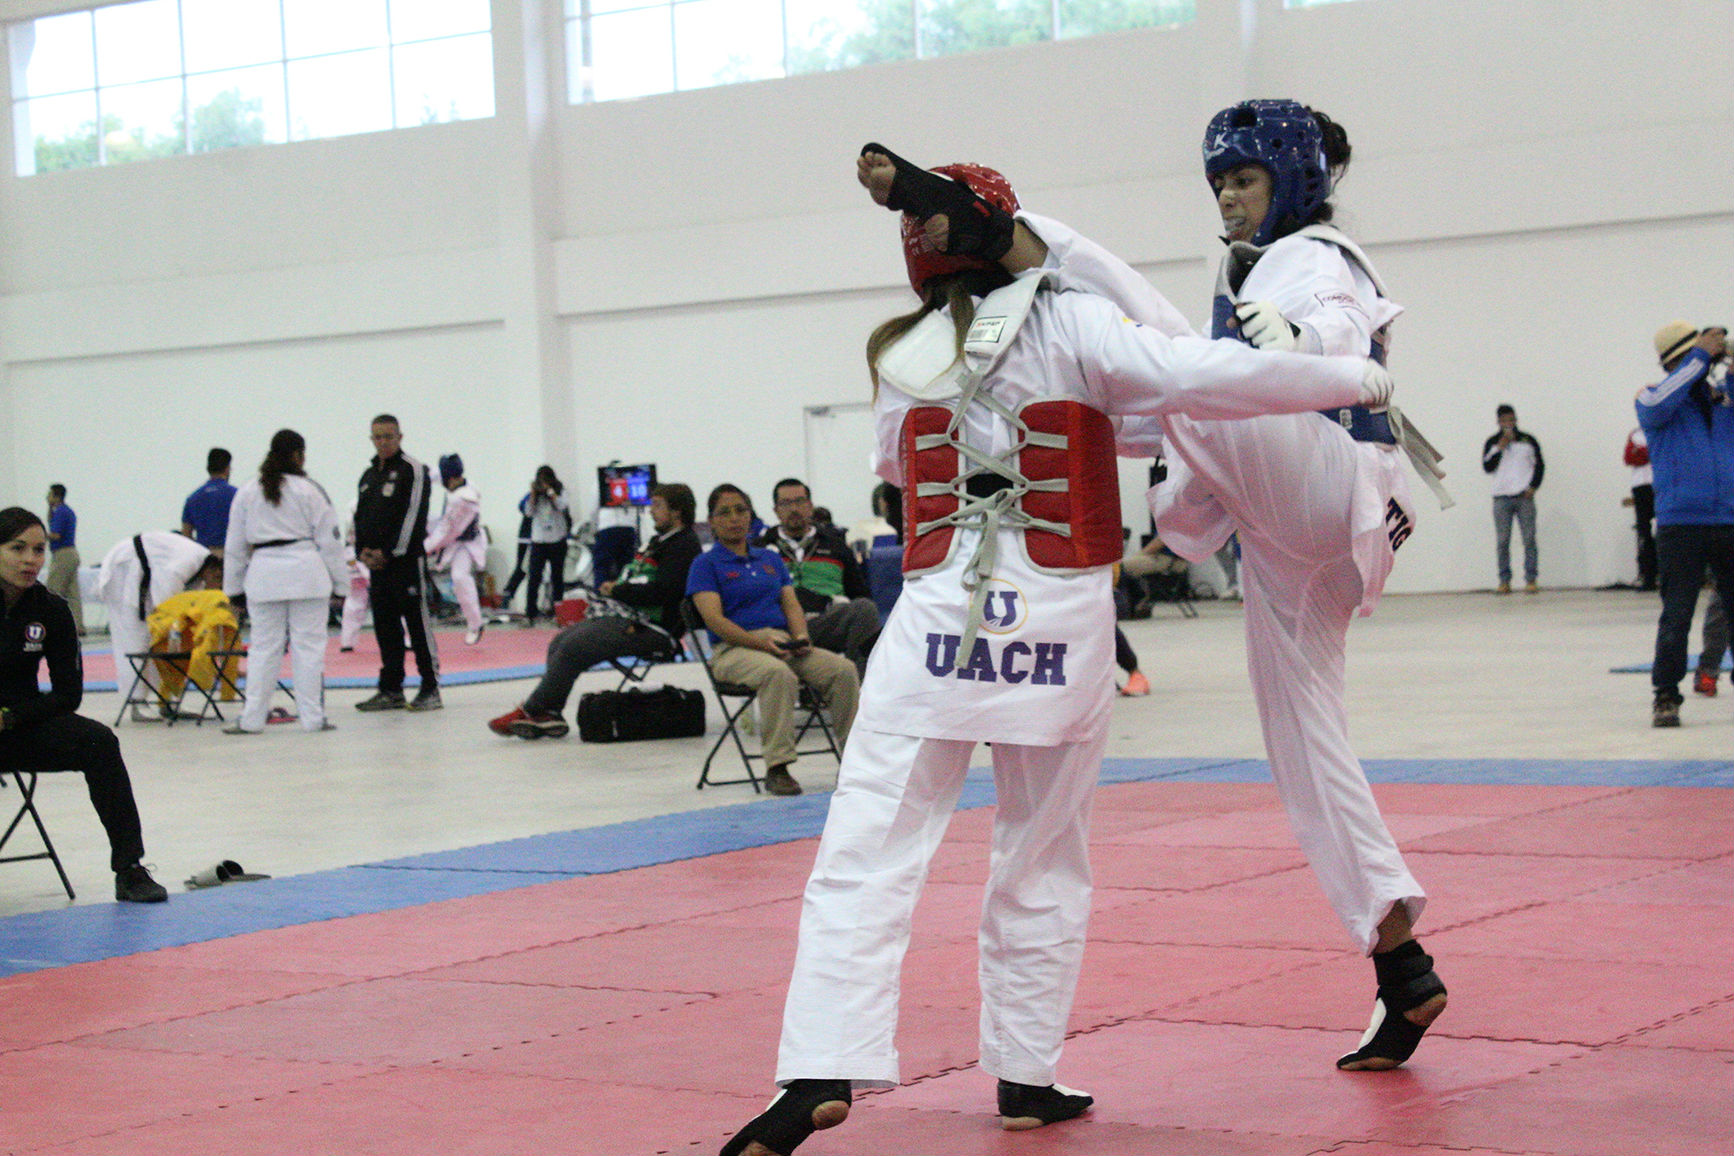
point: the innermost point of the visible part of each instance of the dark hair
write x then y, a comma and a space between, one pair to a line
893, 499
1503, 410
1335, 139
384, 419
57, 490
680, 500
725, 488
790, 482
217, 461
14, 520
547, 474
285, 444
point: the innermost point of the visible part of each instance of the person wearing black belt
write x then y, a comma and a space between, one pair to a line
390, 528
43, 731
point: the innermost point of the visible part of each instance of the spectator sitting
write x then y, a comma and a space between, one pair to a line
884, 527
137, 575
44, 732
841, 614
205, 514
647, 623
1151, 561
747, 599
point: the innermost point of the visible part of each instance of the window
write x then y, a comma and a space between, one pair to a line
160, 78
624, 48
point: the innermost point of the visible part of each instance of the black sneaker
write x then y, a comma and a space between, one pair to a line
384, 700
1026, 1106
135, 885
426, 700
1665, 713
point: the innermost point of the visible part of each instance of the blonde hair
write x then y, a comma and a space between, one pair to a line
953, 293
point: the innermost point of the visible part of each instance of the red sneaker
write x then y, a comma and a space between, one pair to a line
546, 725
503, 724
1705, 683
1137, 686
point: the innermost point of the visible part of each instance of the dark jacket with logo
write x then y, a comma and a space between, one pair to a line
655, 581
391, 507
829, 570
39, 626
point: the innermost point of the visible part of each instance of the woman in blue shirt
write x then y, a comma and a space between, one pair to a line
746, 598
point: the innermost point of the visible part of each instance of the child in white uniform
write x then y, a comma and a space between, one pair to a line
459, 543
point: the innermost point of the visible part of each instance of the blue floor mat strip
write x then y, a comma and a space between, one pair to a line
82, 934
1691, 665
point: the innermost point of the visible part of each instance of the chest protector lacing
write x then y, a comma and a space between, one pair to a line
1057, 482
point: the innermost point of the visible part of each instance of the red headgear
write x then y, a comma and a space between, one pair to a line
923, 260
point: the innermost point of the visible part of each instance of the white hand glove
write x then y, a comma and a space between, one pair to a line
1263, 324
1376, 385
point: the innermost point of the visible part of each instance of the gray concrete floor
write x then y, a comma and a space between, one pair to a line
1431, 677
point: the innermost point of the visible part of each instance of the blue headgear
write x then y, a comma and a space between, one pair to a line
1283, 138
451, 466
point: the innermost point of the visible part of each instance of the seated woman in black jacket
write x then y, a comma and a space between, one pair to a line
44, 732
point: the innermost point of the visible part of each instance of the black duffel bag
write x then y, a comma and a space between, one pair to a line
624, 716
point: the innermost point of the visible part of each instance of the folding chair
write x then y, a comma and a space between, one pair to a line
141, 694
26, 783
811, 710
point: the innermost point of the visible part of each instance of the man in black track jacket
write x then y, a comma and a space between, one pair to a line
390, 525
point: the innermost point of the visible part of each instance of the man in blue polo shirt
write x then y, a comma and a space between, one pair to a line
746, 598
205, 516
63, 559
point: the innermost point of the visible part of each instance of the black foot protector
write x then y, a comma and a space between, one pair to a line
804, 1107
1407, 984
979, 228
1026, 1106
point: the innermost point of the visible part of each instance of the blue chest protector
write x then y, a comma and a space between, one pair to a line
1362, 424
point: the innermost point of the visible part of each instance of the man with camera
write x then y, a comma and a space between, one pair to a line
1688, 418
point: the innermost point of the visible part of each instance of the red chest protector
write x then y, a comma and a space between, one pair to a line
1067, 502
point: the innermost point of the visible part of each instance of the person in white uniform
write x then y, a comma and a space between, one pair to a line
136, 575
355, 599
458, 543
1320, 502
285, 553
996, 409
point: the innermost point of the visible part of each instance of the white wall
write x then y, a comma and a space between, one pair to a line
1542, 183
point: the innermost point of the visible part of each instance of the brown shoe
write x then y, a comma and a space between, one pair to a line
778, 781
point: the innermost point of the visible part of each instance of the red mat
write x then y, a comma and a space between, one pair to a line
638, 1013
508, 649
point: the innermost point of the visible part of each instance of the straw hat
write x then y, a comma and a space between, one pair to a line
1673, 339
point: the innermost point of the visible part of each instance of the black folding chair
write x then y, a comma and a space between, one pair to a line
812, 713
26, 783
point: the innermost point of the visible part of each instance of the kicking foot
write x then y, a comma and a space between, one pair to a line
805, 1107
1410, 997
1026, 1106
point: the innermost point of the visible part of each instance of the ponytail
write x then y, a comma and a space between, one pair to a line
1335, 140
280, 462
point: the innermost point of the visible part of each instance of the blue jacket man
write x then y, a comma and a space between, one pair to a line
1688, 418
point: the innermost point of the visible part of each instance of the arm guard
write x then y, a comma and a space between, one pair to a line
979, 228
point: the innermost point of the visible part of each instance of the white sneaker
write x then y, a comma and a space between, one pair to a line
471, 637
